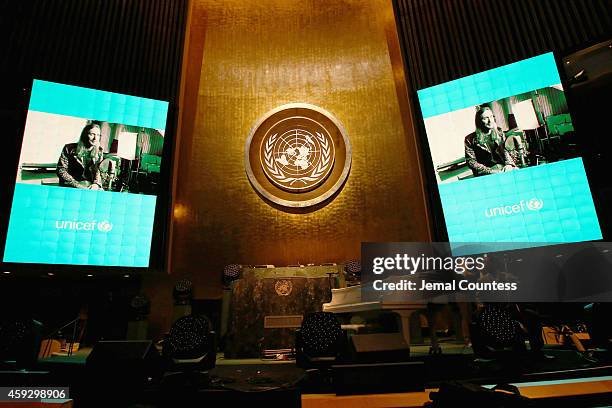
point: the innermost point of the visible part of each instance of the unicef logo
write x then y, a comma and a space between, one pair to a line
105, 226
297, 155
297, 159
535, 204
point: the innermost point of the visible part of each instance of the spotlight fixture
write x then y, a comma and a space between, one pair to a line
231, 273
191, 342
353, 267
353, 270
319, 340
140, 306
183, 292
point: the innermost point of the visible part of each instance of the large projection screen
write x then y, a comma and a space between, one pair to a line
505, 157
88, 178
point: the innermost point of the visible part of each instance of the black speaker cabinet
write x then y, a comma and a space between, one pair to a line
378, 348
125, 367
133, 359
20, 341
378, 378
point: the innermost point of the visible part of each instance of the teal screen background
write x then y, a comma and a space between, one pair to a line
119, 226
567, 212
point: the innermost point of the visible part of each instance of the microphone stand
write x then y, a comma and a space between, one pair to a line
50, 336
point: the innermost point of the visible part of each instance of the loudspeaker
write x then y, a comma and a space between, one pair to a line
133, 359
123, 367
20, 341
378, 348
378, 378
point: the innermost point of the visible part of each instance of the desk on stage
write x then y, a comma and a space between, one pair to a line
267, 304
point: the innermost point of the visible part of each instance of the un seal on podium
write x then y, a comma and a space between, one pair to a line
297, 155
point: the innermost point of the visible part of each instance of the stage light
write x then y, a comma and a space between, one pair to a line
126, 275
183, 292
89, 275
353, 269
6, 272
231, 273
50, 274
138, 325
494, 329
319, 341
140, 306
191, 343
353, 266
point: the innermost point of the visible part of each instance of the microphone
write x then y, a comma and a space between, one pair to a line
112, 173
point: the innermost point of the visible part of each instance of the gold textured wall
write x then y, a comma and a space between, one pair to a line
245, 58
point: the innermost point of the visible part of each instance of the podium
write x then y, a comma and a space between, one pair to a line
267, 303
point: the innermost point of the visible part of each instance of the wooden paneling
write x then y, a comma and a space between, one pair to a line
342, 56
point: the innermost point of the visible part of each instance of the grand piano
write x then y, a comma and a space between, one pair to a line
349, 301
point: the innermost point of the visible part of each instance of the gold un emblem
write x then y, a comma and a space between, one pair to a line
297, 155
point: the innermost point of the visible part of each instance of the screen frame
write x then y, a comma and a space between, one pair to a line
590, 158
158, 251
440, 231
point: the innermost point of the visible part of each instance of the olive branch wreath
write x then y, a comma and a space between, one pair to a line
277, 173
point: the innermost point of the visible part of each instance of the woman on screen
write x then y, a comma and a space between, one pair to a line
484, 148
79, 163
